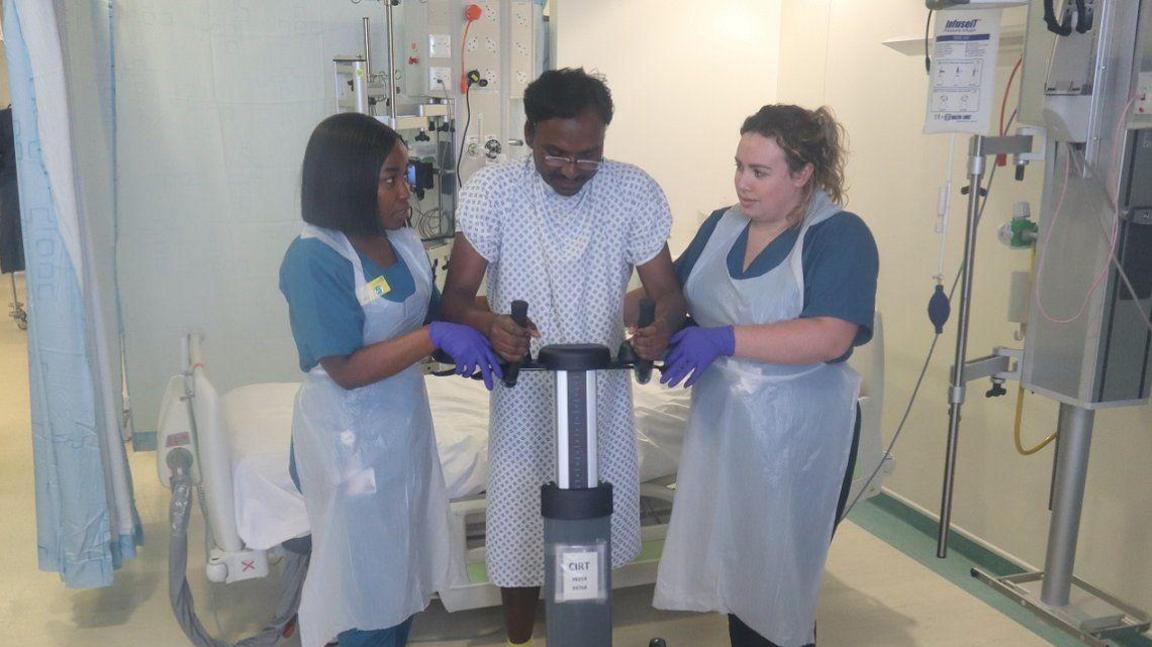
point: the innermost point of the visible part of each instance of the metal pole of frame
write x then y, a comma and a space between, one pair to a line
577, 508
1067, 502
979, 148
976, 164
391, 61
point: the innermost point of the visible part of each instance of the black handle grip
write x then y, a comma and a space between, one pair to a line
643, 367
520, 312
520, 316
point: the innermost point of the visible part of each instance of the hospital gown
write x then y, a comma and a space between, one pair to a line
571, 259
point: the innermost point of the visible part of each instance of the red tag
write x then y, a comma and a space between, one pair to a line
178, 440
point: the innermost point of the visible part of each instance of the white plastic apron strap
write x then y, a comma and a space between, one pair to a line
339, 242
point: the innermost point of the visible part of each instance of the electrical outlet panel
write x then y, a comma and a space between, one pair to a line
522, 60
484, 47
439, 46
432, 52
439, 79
425, 42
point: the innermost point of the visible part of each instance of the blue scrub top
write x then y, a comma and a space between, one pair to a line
840, 263
325, 314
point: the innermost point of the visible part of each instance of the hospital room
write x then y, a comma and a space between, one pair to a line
749, 323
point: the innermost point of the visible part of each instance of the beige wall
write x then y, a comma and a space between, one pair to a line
831, 53
5, 97
683, 76
683, 79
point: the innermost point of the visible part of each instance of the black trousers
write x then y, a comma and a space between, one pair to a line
11, 238
741, 634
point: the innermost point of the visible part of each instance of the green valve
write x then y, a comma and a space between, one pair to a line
1023, 233
1020, 232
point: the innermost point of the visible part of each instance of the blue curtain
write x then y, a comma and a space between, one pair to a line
86, 521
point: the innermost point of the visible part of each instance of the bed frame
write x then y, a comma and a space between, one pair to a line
192, 416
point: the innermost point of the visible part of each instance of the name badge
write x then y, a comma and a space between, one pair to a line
376, 289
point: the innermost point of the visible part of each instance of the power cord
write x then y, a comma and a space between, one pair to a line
472, 13
927, 58
464, 135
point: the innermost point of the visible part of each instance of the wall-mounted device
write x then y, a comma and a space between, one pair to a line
412, 83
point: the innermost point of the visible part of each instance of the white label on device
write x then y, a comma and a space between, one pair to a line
579, 574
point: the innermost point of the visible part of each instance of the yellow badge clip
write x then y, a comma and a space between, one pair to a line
378, 287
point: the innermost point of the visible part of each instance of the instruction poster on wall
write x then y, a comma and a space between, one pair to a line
963, 72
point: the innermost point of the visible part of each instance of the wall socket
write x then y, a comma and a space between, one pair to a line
439, 79
439, 46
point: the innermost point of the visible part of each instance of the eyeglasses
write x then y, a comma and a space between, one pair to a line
556, 161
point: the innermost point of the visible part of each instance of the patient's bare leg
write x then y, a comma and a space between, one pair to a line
519, 612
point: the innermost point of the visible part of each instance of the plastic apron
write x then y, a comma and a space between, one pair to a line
370, 474
764, 457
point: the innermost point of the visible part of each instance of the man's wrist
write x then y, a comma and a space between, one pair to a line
488, 320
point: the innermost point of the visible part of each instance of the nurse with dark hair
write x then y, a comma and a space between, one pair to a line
359, 290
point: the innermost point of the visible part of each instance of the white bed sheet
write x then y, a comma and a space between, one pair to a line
258, 422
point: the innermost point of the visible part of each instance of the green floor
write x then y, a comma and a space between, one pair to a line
913, 534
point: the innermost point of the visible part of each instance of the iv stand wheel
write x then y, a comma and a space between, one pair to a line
16, 309
20, 315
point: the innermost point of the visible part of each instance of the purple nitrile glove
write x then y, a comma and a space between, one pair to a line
468, 348
693, 350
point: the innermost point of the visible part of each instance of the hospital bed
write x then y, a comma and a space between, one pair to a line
241, 443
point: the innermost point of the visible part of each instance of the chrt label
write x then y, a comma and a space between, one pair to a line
580, 575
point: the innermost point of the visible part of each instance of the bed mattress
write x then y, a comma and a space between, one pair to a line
258, 421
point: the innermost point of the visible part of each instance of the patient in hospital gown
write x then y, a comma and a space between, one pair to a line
563, 230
